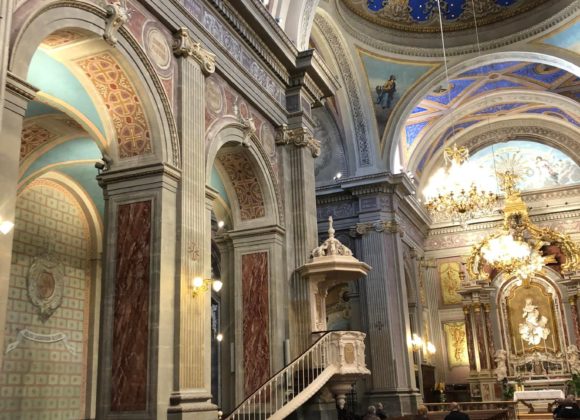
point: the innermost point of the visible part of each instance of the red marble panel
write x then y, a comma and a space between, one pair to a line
255, 320
131, 308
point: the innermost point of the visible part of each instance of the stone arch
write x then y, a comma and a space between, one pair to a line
357, 126
425, 151
548, 130
230, 145
438, 77
296, 17
47, 19
59, 230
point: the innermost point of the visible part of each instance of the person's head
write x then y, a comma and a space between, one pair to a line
392, 77
379, 406
422, 410
454, 406
372, 409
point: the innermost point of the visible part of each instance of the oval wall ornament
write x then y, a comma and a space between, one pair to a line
45, 284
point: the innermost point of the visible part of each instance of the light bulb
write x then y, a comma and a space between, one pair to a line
6, 226
197, 282
219, 337
217, 285
221, 224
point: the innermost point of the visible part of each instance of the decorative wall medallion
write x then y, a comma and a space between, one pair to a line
214, 96
267, 137
158, 48
46, 284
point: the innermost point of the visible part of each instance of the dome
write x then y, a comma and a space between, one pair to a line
423, 15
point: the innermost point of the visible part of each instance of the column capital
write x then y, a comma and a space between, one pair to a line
185, 46
379, 226
298, 137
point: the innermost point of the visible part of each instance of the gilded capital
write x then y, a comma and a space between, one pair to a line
299, 137
184, 46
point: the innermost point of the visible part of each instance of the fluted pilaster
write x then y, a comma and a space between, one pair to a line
298, 149
193, 372
386, 302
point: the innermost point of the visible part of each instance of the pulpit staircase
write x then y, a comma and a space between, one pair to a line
336, 359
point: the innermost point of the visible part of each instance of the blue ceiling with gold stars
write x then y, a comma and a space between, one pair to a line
423, 15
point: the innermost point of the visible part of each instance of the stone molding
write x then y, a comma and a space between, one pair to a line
185, 46
117, 16
442, 124
391, 48
350, 80
298, 137
20, 88
379, 226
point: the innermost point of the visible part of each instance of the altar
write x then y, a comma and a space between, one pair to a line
544, 394
548, 395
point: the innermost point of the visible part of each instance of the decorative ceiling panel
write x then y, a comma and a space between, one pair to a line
423, 15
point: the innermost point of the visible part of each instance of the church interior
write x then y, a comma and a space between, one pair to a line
268, 209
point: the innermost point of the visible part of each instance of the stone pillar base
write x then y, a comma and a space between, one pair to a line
395, 403
191, 406
316, 410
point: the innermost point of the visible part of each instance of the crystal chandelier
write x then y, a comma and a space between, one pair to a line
516, 249
453, 191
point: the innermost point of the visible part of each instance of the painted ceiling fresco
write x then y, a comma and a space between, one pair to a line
423, 15
539, 165
567, 38
478, 82
388, 81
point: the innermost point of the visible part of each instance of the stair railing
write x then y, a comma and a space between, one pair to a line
284, 386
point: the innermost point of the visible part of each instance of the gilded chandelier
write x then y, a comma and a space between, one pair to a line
453, 191
516, 249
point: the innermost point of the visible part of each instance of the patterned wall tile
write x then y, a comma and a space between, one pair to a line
248, 190
34, 136
123, 103
43, 379
62, 37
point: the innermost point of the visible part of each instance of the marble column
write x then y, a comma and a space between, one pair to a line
572, 300
489, 336
136, 348
259, 302
480, 334
192, 387
17, 94
385, 299
469, 337
298, 149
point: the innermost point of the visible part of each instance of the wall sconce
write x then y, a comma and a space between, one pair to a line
6, 226
200, 285
431, 348
416, 342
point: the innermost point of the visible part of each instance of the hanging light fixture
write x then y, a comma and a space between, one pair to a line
452, 191
516, 248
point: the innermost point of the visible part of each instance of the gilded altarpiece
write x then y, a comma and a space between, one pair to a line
532, 324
